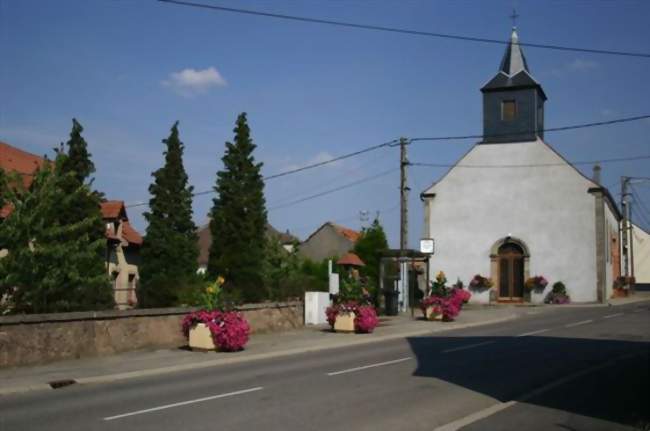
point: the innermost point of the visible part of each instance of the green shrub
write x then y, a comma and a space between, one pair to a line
559, 287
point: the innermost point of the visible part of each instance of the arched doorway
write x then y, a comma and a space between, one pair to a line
510, 257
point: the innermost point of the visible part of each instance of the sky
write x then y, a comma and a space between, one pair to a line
127, 70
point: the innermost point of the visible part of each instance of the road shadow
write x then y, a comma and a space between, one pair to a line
608, 379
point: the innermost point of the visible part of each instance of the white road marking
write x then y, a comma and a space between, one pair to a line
364, 367
584, 322
476, 416
183, 403
495, 408
609, 316
526, 334
469, 346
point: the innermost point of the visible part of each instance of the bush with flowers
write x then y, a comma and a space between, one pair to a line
444, 301
558, 295
353, 298
479, 282
537, 282
229, 329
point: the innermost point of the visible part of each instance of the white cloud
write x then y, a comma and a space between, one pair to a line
579, 64
322, 156
192, 82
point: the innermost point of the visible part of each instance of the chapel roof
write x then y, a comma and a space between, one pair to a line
513, 71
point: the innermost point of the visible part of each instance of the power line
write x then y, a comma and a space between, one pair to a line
645, 212
327, 192
395, 142
533, 165
296, 170
551, 129
332, 160
399, 30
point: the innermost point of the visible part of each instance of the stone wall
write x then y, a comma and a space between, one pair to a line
42, 338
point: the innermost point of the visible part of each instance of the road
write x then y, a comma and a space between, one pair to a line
560, 369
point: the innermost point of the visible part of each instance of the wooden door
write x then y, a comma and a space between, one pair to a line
511, 272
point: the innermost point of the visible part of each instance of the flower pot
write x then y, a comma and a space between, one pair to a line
434, 313
344, 322
201, 338
619, 293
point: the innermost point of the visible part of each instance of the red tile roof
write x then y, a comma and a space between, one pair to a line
13, 159
112, 209
350, 259
130, 234
350, 234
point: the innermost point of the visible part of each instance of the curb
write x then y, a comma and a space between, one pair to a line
109, 378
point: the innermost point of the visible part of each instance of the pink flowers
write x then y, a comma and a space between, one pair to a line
449, 305
480, 282
537, 282
365, 320
229, 329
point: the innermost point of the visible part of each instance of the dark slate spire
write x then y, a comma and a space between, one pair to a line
513, 60
513, 101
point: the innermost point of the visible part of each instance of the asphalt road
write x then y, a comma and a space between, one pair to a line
563, 369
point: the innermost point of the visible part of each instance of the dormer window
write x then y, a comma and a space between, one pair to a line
508, 110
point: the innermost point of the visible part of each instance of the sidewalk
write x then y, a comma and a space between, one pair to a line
263, 346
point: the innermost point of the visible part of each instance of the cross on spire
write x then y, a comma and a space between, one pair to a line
514, 17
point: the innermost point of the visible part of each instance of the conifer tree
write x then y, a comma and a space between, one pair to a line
75, 169
170, 250
238, 218
368, 248
78, 157
53, 264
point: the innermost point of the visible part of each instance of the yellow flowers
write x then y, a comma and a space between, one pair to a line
441, 276
220, 280
210, 290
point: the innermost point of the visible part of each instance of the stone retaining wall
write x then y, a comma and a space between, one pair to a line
42, 338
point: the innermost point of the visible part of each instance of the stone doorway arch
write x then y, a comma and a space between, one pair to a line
509, 268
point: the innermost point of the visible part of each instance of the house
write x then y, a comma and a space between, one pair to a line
123, 244
122, 240
641, 257
512, 207
204, 234
329, 240
15, 160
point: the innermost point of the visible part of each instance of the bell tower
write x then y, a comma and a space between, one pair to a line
513, 101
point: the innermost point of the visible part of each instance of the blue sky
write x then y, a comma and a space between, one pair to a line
128, 69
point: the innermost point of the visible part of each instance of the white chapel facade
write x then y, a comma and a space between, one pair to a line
512, 207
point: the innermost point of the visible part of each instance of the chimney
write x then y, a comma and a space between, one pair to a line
596, 174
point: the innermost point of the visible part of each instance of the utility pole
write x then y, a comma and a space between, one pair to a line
625, 208
403, 231
403, 188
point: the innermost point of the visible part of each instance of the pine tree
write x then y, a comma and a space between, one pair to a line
78, 160
238, 218
170, 250
368, 248
53, 264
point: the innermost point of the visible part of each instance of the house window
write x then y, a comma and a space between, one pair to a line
508, 110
